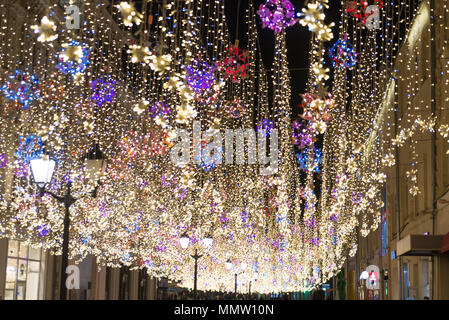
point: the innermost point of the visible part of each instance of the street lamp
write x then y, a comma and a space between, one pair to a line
207, 241
95, 164
184, 240
243, 267
42, 170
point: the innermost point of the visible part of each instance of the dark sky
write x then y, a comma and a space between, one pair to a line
298, 40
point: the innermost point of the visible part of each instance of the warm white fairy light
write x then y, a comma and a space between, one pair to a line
46, 30
288, 237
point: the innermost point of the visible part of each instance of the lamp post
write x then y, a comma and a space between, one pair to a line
184, 241
229, 266
42, 170
196, 256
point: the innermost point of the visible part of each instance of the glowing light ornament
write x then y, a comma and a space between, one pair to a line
317, 111
161, 63
74, 59
320, 72
313, 17
185, 112
22, 88
200, 76
267, 125
30, 147
141, 107
235, 65
277, 15
46, 30
129, 14
343, 54
140, 54
302, 136
103, 90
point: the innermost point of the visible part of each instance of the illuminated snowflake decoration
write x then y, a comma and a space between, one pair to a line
235, 65
267, 125
343, 54
46, 30
200, 76
103, 90
359, 11
30, 148
305, 163
141, 106
129, 13
74, 59
22, 88
302, 136
140, 54
277, 15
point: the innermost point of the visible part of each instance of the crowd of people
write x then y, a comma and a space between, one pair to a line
215, 295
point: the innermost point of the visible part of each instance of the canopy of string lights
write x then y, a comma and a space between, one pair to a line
134, 76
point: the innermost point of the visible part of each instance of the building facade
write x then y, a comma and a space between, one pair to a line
408, 246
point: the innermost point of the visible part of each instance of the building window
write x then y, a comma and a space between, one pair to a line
22, 272
425, 278
407, 282
124, 284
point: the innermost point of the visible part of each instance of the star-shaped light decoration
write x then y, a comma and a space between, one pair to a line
46, 30
78, 78
187, 179
161, 63
140, 54
325, 32
185, 112
129, 14
320, 72
141, 107
72, 53
312, 16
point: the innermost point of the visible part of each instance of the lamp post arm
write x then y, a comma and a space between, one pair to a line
196, 256
67, 200
60, 199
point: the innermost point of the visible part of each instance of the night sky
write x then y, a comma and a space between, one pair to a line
298, 41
